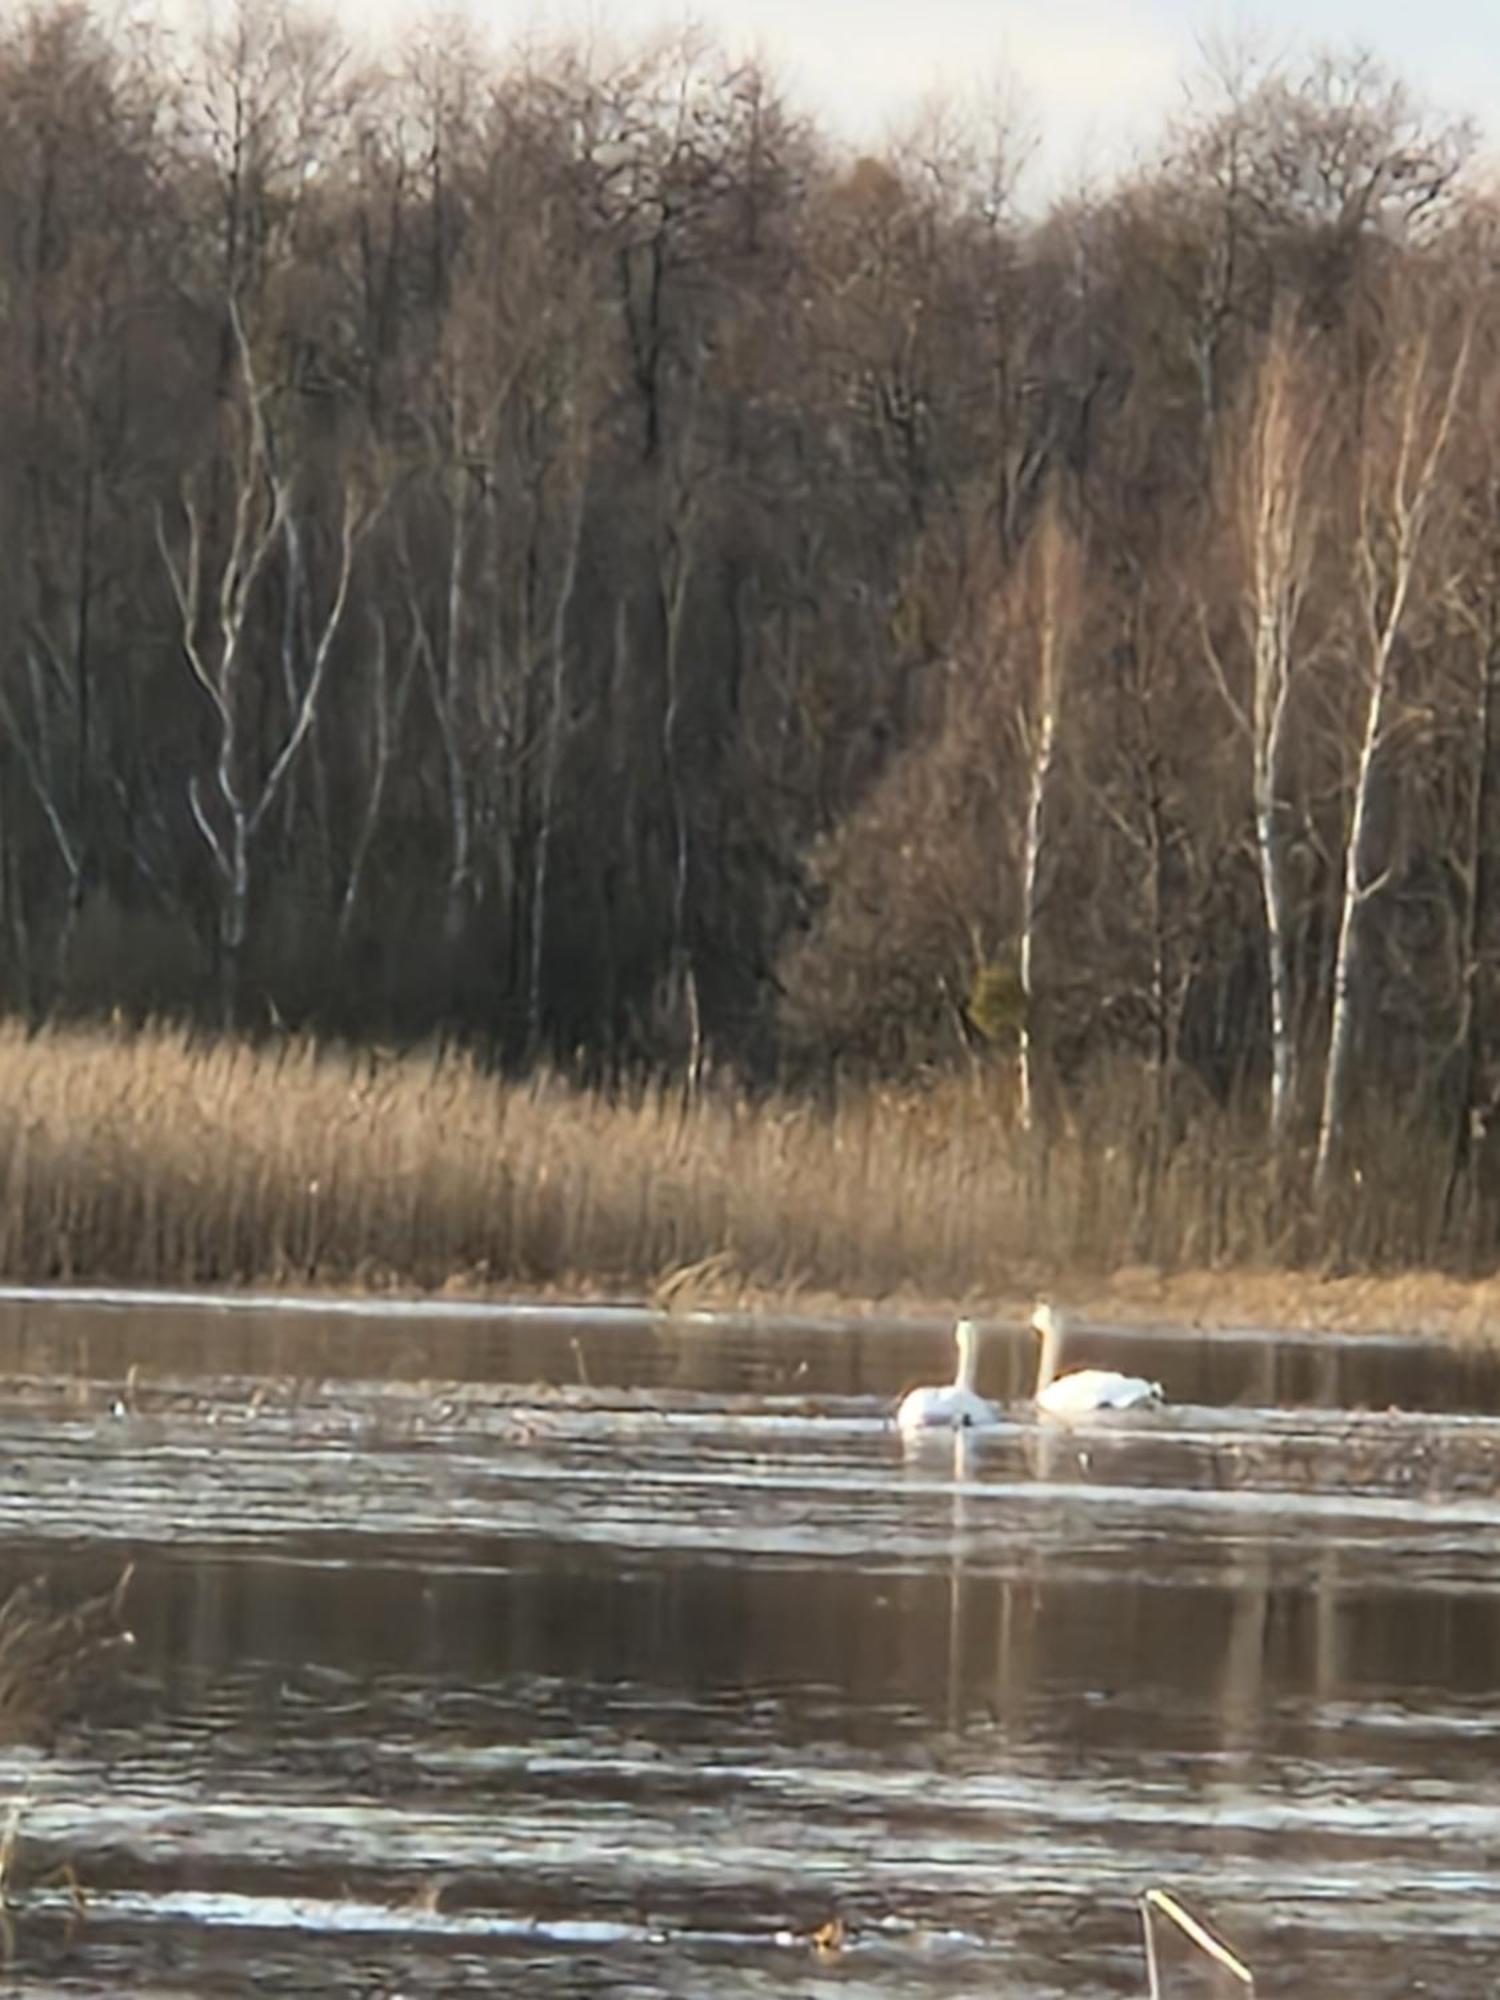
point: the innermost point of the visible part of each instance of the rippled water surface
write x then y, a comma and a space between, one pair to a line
579, 1652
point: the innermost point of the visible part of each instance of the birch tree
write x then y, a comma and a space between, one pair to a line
1052, 583
1275, 532
384, 708
1474, 607
52, 704
217, 643
1406, 429
575, 476
1468, 592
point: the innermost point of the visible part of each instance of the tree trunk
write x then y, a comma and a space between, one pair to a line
1358, 889
1036, 797
1268, 854
1049, 601
447, 697
1395, 497
1474, 871
551, 758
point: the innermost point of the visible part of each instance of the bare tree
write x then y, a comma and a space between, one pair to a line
1275, 503
1050, 596
230, 813
575, 475
1144, 782
385, 710
52, 700
1473, 603
1405, 432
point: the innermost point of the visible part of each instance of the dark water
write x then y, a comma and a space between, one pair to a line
571, 1653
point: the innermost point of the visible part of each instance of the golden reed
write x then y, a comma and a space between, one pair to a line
166, 1157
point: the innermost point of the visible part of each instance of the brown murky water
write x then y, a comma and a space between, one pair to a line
578, 1653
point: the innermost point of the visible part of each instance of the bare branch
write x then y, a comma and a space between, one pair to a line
355, 524
1215, 662
205, 827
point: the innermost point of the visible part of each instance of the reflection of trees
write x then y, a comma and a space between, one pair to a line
1145, 1620
1242, 1677
963, 1468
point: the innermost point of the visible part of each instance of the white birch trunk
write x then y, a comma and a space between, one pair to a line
1056, 586
1275, 516
1043, 753
1357, 891
261, 509
260, 506
1271, 868
1389, 545
1280, 559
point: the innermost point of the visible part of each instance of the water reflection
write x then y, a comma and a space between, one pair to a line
611, 1656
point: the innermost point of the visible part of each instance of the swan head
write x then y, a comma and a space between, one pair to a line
1046, 1319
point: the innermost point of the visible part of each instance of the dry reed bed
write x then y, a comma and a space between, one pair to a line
162, 1157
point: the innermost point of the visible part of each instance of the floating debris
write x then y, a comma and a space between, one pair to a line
829, 1939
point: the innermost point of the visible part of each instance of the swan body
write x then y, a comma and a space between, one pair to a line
1081, 1391
956, 1406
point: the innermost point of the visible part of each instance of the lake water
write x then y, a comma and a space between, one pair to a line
582, 1653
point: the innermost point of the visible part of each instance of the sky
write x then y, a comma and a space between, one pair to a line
1097, 78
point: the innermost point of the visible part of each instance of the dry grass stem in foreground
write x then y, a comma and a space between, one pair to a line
49, 1659
1202, 1939
159, 1157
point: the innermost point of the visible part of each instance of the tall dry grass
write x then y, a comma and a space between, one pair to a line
160, 1157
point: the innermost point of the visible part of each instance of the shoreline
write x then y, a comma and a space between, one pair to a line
1427, 1304
155, 1161
1431, 1305
1413, 1304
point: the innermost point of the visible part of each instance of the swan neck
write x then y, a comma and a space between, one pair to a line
1046, 1367
968, 1359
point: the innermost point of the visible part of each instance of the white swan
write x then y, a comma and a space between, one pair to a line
955, 1406
1081, 1390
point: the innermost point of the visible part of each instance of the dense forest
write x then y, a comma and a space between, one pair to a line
551, 549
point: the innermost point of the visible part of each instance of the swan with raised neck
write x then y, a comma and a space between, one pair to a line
1082, 1390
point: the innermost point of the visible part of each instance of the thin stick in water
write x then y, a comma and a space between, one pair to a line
1207, 1943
